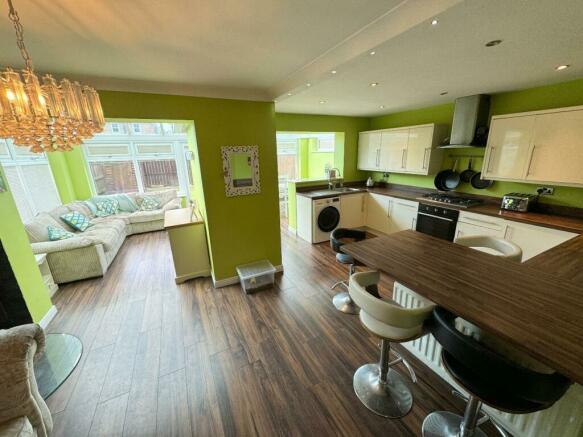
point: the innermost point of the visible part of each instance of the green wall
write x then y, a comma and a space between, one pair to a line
349, 126
17, 248
546, 97
240, 229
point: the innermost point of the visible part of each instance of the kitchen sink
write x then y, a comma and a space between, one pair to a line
347, 190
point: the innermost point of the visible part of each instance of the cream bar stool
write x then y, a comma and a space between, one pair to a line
499, 246
380, 388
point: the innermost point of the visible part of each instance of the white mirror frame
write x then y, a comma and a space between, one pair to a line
230, 189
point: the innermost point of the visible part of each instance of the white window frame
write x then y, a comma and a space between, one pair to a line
19, 161
178, 142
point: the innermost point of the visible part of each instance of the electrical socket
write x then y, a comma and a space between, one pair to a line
545, 191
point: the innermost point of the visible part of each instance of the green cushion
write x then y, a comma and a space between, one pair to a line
56, 234
107, 208
126, 203
149, 203
77, 221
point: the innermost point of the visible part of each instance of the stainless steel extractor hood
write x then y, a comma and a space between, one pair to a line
470, 122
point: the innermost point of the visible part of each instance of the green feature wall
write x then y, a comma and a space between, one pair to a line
17, 248
546, 97
240, 229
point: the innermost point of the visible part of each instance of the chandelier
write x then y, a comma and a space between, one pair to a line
47, 117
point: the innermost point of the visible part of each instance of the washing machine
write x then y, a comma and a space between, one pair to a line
317, 218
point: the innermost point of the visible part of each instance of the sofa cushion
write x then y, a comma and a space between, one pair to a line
82, 208
37, 228
163, 196
18, 427
106, 235
57, 213
107, 207
114, 222
149, 203
77, 221
146, 216
126, 202
58, 233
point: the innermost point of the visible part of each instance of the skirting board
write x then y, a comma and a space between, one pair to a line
184, 278
50, 315
235, 279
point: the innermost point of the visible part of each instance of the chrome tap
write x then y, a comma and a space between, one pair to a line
333, 179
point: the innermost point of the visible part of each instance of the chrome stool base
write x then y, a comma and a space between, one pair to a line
344, 303
446, 424
391, 399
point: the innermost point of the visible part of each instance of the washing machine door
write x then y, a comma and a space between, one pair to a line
328, 219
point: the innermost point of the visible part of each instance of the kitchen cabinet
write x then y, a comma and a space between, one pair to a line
508, 147
534, 240
402, 150
352, 210
377, 212
369, 148
402, 215
537, 147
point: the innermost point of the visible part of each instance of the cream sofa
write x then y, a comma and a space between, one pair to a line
23, 412
90, 253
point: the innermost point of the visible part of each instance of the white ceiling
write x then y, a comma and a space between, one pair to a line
263, 49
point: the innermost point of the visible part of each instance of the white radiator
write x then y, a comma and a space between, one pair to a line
564, 419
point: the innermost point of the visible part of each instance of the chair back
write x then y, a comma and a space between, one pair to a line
338, 234
503, 248
388, 313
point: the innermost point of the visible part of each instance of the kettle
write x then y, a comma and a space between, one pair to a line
369, 182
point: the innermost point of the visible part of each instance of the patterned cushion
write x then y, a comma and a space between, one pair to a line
107, 207
77, 221
149, 203
56, 234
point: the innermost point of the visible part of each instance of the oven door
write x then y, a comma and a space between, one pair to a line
439, 227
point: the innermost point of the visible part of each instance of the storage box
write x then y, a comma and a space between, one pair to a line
256, 276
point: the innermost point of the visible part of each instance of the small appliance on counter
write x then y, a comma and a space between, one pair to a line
518, 202
369, 182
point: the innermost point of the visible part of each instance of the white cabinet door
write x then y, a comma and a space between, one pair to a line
557, 148
534, 240
508, 147
352, 210
394, 149
419, 149
402, 214
369, 145
377, 211
471, 230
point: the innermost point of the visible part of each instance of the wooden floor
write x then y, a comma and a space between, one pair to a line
180, 360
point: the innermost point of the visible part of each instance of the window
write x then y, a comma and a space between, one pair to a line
30, 179
154, 156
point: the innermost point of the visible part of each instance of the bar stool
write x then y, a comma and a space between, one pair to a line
499, 246
342, 300
380, 388
489, 377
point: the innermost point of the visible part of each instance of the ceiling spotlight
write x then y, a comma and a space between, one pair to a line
443, 93
373, 84
434, 22
322, 102
382, 106
308, 84
372, 53
275, 101
333, 72
493, 43
562, 67
289, 94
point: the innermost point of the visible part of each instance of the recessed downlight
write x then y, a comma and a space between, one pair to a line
434, 22
333, 72
289, 94
275, 101
382, 107
373, 84
493, 43
372, 53
322, 102
562, 67
443, 93
308, 84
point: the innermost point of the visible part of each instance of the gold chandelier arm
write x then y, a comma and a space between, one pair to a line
13, 15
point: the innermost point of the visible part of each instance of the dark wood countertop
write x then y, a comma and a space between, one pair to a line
540, 313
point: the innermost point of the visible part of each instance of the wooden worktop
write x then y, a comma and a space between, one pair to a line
540, 313
175, 218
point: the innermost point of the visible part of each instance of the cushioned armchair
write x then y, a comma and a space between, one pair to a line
23, 412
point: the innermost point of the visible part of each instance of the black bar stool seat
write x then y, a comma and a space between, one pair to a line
338, 237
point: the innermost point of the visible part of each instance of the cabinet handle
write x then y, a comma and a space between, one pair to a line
425, 164
389, 208
490, 156
407, 205
530, 159
471, 219
404, 151
378, 160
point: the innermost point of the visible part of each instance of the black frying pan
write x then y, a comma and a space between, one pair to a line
479, 183
447, 180
466, 175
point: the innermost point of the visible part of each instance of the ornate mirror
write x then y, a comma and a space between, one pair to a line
241, 170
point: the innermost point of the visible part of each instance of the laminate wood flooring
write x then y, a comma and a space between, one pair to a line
162, 359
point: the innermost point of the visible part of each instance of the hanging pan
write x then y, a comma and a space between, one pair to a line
479, 183
466, 175
447, 180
